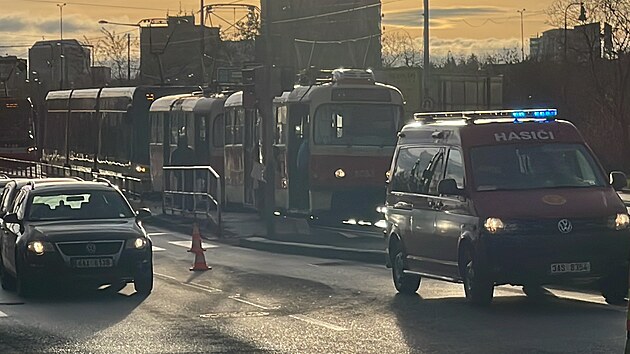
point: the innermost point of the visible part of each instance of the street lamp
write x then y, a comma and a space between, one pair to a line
522, 35
61, 19
61, 56
582, 18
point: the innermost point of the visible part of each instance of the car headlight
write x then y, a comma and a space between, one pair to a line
340, 173
622, 221
493, 225
40, 247
141, 169
137, 243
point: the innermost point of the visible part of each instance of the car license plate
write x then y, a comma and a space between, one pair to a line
582, 267
93, 263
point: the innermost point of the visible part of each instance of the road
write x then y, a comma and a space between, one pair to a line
259, 302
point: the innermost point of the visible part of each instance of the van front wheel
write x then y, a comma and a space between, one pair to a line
478, 286
405, 283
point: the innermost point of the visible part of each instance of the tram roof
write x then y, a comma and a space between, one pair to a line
209, 104
235, 99
106, 92
307, 93
164, 104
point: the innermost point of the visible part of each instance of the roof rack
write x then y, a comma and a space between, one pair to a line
517, 116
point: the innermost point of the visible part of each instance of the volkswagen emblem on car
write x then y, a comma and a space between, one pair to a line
565, 226
90, 248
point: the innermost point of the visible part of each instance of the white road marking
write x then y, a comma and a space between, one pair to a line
157, 233
262, 307
318, 322
2, 314
158, 249
197, 286
187, 244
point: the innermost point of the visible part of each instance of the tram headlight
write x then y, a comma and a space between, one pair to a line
340, 173
141, 169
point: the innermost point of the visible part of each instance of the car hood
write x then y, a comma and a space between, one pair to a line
86, 230
549, 203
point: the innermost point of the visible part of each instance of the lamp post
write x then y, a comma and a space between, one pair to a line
522, 36
582, 18
61, 56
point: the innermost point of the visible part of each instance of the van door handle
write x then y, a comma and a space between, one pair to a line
435, 204
403, 205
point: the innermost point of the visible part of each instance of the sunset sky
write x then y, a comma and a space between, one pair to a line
458, 26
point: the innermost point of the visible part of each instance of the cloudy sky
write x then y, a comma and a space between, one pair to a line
458, 26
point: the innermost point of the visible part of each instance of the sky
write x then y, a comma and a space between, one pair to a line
460, 27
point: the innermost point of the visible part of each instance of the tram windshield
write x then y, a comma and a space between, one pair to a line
16, 129
357, 124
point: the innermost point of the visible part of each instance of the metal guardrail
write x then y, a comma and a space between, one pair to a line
14, 168
193, 190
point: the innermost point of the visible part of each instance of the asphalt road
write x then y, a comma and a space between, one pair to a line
259, 302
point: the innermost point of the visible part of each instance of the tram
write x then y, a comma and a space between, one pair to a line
17, 136
104, 129
197, 117
333, 146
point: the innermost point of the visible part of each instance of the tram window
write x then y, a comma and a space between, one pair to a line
281, 123
217, 131
157, 128
202, 128
239, 122
229, 123
356, 124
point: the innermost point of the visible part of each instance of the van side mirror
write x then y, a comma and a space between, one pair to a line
143, 214
12, 219
449, 187
618, 180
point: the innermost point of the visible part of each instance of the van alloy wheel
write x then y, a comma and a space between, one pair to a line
404, 283
478, 287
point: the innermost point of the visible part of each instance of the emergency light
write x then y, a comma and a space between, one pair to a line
540, 115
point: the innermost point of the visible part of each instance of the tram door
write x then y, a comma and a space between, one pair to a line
298, 165
250, 141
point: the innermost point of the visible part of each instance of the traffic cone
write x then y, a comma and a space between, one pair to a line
200, 259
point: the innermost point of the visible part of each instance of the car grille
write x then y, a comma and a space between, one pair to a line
543, 227
97, 248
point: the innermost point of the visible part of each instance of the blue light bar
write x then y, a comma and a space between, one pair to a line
540, 114
535, 113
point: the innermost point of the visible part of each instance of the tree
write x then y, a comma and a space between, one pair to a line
398, 50
248, 28
609, 77
111, 50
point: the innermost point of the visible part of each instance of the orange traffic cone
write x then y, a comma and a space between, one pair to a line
200, 259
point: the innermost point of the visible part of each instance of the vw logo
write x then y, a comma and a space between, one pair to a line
90, 248
565, 226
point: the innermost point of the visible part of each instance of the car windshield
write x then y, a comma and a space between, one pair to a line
78, 205
357, 124
508, 167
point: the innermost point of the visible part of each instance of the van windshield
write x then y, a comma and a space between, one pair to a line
505, 167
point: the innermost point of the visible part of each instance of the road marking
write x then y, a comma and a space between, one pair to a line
196, 286
234, 315
186, 244
262, 307
318, 322
158, 249
157, 233
2, 314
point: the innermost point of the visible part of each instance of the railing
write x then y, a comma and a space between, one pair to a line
193, 190
130, 186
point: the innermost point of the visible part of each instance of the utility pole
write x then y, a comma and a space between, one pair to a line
265, 108
61, 56
128, 57
426, 101
522, 36
202, 44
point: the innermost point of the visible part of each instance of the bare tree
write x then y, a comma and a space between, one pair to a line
248, 28
398, 50
609, 76
503, 56
111, 50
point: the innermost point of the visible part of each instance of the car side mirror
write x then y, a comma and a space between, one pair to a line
12, 219
449, 187
143, 213
618, 180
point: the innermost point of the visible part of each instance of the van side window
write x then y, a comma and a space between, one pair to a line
455, 167
415, 167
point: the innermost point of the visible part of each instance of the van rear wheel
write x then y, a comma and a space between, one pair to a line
405, 283
478, 285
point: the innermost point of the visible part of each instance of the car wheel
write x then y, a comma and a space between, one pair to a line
478, 286
614, 286
7, 281
143, 282
405, 283
535, 292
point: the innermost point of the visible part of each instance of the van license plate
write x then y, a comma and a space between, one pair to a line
582, 267
93, 263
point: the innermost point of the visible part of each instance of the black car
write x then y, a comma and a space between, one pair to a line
81, 232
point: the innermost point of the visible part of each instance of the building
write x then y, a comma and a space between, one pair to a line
13, 77
60, 64
582, 42
325, 34
171, 53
